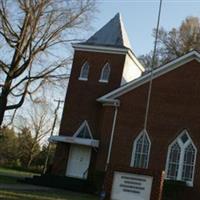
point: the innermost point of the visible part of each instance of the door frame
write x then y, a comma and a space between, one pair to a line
70, 157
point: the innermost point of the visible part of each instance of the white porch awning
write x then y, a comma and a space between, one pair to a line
74, 140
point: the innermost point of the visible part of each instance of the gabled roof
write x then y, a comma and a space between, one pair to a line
82, 136
111, 34
84, 131
178, 62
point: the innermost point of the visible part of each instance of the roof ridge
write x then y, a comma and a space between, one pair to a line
123, 32
113, 33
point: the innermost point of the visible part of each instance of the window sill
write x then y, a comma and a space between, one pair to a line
82, 79
103, 81
180, 182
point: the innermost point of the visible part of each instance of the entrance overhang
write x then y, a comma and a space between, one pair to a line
74, 140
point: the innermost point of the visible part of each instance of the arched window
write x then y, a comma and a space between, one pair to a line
84, 72
174, 159
141, 151
105, 73
181, 159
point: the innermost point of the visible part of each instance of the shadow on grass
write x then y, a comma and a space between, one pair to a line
10, 177
8, 180
15, 173
21, 195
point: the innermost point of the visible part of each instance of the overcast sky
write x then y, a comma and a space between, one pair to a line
140, 17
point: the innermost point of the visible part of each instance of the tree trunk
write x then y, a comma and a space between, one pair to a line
4, 98
31, 156
2, 112
29, 161
3, 104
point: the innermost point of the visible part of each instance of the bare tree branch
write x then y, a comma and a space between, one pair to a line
19, 104
30, 34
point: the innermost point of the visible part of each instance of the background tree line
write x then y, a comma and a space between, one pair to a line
35, 55
21, 150
175, 42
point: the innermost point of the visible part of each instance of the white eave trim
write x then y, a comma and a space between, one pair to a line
156, 73
136, 61
111, 102
101, 49
107, 49
74, 140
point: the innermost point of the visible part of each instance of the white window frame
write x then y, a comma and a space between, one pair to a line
107, 65
81, 72
85, 123
134, 148
183, 146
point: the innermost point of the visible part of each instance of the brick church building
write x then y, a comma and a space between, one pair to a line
102, 125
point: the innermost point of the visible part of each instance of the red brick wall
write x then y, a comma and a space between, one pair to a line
80, 102
60, 161
174, 106
105, 129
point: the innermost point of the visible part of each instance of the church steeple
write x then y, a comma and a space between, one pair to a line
112, 34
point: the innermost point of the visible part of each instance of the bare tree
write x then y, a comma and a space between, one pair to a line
38, 122
31, 33
40, 126
176, 42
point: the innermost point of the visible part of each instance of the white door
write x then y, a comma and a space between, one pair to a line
78, 161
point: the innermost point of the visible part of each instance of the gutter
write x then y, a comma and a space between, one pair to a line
109, 102
116, 105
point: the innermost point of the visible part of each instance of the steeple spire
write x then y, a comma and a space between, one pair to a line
112, 34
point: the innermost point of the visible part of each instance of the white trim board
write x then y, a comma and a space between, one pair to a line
193, 55
74, 140
111, 50
85, 123
100, 49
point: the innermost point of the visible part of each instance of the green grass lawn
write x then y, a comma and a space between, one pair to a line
15, 173
46, 195
9, 177
8, 180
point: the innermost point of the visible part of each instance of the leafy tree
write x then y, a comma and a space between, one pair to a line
27, 149
35, 127
41, 157
32, 33
8, 147
146, 61
176, 42
21, 149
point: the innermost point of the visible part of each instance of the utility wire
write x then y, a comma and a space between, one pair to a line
152, 66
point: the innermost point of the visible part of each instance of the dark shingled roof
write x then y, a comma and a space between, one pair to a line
112, 34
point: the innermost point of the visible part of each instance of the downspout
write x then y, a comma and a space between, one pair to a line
116, 105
